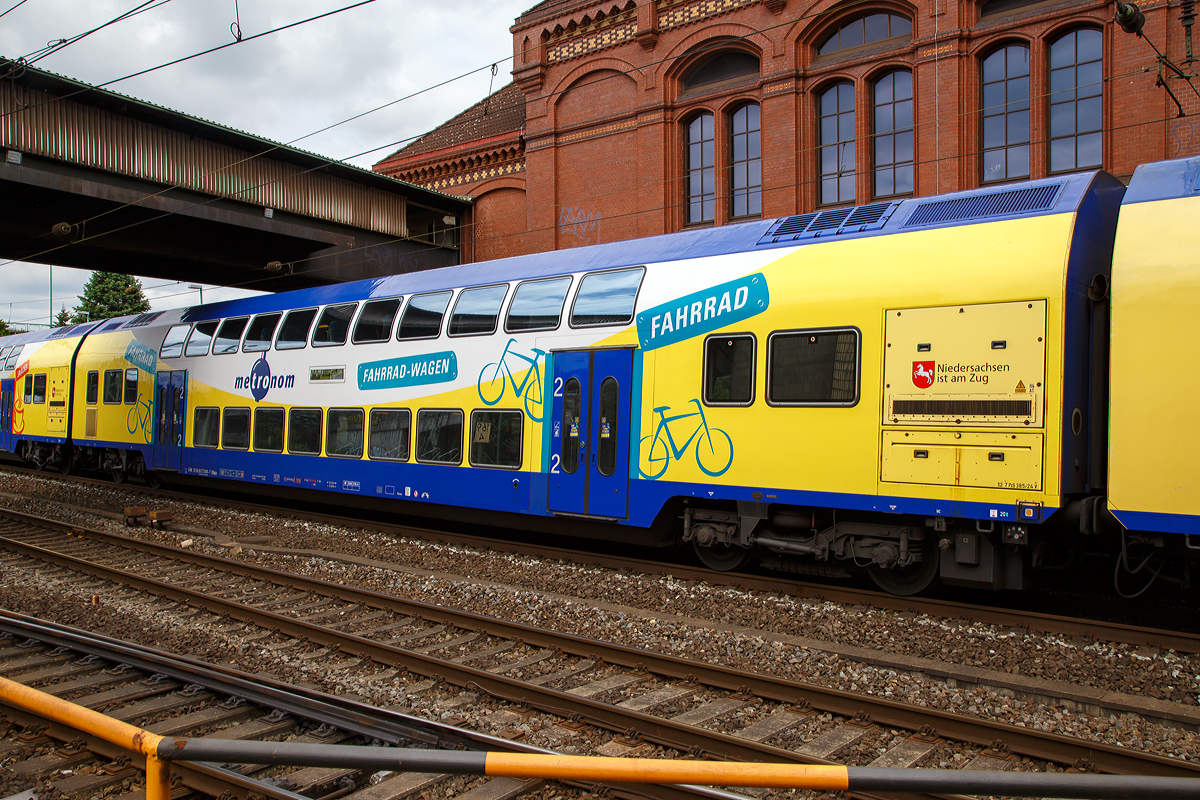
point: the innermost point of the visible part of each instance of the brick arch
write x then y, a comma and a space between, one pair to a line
598, 92
1092, 23
985, 46
500, 218
724, 36
807, 34
555, 93
877, 71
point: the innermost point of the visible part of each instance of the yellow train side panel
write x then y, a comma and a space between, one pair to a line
48, 417
1154, 428
119, 422
852, 284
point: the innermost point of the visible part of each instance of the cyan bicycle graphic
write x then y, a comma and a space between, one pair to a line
714, 447
492, 380
139, 418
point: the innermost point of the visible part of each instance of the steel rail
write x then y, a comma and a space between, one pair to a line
350, 715
1121, 633
1036, 744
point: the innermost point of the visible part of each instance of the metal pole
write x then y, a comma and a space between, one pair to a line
51, 296
158, 778
668, 771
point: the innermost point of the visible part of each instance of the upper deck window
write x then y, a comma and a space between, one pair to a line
375, 322
537, 305
293, 334
606, 298
477, 310
198, 343
422, 317
172, 346
229, 336
13, 355
258, 337
818, 367
334, 325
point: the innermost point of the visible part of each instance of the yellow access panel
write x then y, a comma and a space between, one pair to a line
978, 365
58, 385
954, 458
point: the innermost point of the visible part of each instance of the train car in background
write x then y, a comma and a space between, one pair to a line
918, 388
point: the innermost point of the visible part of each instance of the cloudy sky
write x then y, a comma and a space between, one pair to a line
282, 86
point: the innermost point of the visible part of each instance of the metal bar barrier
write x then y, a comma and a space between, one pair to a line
711, 773
159, 751
136, 740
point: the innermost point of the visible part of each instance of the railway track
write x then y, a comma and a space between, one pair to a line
1181, 640
577, 685
176, 696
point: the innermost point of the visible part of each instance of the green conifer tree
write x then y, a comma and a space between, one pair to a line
107, 294
63, 317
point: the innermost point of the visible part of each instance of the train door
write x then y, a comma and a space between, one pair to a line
589, 446
6, 415
170, 407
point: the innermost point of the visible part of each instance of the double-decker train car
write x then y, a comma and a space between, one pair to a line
918, 388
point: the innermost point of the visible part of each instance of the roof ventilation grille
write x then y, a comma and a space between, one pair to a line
855, 219
983, 206
143, 319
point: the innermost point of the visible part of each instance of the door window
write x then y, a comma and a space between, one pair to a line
609, 396
572, 397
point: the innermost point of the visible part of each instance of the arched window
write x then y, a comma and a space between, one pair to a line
865, 30
893, 102
1076, 75
1006, 114
745, 162
701, 178
837, 143
728, 67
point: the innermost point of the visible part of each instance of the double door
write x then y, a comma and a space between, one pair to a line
6, 415
589, 446
170, 416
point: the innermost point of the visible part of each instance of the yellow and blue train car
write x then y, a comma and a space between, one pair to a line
915, 387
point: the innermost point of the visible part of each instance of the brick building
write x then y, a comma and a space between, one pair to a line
657, 115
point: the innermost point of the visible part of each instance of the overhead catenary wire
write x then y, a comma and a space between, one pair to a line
255, 284
61, 44
13, 8
715, 45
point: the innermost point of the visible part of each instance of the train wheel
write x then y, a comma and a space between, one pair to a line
118, 475
905, 581
722, 557
153, 480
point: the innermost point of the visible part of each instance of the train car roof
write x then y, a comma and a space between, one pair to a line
1164, 180
1060, 194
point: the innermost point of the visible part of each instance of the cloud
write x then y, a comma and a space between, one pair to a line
282, 86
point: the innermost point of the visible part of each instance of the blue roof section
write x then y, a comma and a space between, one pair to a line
49, 334
1164, 180
1065, 194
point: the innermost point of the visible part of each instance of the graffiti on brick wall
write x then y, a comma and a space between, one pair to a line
580, 223
1185, 139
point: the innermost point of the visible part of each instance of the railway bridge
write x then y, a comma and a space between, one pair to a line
94, 179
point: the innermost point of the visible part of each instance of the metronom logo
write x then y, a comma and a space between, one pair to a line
260, 380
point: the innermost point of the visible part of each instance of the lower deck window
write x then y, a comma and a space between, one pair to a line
235, 429
496, 438
344, 433
729, 370
39, 388
112, 386
439, 436
206, 427
817, 367
304, 431
268, 430
93, 387
390, 433
131, 386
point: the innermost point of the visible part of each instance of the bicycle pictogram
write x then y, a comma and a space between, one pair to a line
139, 418
714, 447
492, 380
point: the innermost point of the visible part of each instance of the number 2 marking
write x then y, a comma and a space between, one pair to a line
558, 387
554, 464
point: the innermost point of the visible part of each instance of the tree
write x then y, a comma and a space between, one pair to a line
107, 294
62, 317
